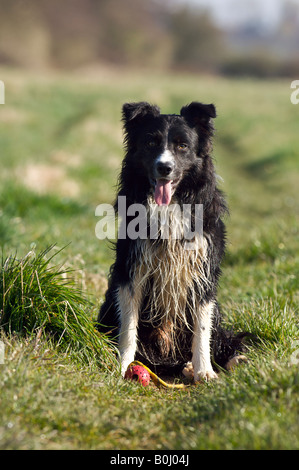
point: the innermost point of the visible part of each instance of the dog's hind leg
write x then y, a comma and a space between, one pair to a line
201, 347
128, 306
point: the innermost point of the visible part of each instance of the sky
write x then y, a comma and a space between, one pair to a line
236, 12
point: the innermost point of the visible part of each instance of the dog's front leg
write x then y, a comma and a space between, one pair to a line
201, 352
128, 305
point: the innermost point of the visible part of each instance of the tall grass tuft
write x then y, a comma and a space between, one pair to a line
37, 297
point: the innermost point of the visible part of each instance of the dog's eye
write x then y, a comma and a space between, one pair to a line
182, 146
152, 143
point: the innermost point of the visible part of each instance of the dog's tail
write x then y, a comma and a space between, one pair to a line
228, 348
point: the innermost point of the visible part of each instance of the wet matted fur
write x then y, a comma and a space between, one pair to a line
161, 302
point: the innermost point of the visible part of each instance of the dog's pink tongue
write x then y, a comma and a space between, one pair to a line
163, 192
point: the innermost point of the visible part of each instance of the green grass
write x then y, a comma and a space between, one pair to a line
61, 149
39, 299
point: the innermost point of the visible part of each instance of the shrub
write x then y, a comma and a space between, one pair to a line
39, 298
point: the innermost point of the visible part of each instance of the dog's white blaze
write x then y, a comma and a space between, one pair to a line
201, 357
128, 306
165, 157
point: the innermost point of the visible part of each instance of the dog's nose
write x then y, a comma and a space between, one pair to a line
164, 168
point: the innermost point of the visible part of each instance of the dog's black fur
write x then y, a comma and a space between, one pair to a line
188, 137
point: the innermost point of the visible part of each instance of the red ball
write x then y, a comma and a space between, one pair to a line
138, 373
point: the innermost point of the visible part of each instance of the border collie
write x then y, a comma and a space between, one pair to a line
161, 299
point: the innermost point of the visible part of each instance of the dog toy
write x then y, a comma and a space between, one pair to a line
143, 374
139, 373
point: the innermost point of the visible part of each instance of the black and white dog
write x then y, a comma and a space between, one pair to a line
161, 300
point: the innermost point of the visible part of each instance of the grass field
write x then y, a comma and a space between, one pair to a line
61, 148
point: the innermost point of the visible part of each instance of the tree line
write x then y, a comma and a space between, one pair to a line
140, 33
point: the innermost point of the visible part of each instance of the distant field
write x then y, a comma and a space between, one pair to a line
61, 149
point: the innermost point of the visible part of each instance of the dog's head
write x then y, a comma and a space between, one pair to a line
165, 147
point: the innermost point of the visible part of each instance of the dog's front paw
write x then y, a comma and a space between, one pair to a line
124, 365
205, 376
188, 371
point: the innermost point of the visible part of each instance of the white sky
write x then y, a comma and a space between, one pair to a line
232, 12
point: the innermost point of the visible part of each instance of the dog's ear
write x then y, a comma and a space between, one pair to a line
132, 111
199, 116
198, 113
